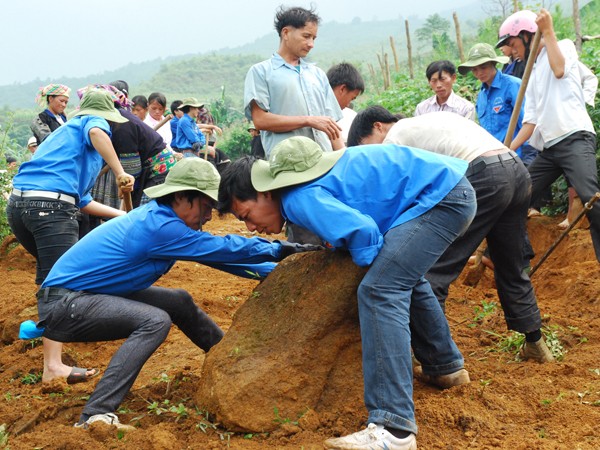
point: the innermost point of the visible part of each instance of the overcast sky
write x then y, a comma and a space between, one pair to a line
54, 38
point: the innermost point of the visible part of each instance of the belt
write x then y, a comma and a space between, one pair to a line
481, 162
45, 194
52, 292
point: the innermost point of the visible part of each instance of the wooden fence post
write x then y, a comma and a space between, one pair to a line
396, 65
459, 43
409, 47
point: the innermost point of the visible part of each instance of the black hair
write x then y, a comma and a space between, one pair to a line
362, 125
10, 159
236, 182
185, 109
169, 199
121, 85
294, 17
346, 73
175, 105
439, 67
140, 100
158, 98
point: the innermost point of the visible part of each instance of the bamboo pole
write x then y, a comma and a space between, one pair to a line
387, 70
524, 82
515, 6
409, 48
459, 43
396, 65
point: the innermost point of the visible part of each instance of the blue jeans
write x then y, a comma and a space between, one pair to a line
397, 308
45, 228
142, 318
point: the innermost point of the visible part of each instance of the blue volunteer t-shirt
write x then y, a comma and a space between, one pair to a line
66, 162
371, 189
131, 252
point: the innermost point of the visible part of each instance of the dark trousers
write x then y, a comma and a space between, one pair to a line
142, 318
576, 157
45, 228
502, 191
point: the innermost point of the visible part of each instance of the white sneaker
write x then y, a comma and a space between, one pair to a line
107, 418
374, 437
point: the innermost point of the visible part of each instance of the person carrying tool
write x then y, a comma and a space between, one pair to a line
555, 120
390, 221
102, 288
51, 190
502, 187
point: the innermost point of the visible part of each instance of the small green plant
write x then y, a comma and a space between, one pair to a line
509, 343
180, 410
546, 402
156, 408
487, 309
282, 420
484, 384
31, 378
248, 436
553, 342
542, 433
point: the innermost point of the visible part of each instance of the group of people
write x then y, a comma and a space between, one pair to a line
412, 198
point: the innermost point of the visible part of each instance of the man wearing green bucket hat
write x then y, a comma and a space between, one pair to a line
498, 94
106, 279
396, 210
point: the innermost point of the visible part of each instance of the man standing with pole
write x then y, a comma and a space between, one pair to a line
556, 120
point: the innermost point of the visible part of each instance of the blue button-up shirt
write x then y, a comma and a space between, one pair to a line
495, 105
284, 89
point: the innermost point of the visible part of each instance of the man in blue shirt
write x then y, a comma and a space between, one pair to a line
286, 96
498, 94
396, 210
101, 289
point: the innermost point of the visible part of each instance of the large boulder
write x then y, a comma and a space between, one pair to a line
292, 351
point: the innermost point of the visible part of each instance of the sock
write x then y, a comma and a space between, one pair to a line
534, 336
398, 434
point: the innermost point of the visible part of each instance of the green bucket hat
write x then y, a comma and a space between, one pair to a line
480, 54
97, 102
293, 161
191, 101
189, 174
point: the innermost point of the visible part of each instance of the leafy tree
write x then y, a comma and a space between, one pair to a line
433, 29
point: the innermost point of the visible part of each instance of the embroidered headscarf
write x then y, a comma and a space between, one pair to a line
51, 89
118, 97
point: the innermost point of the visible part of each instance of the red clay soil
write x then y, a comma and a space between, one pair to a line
508, 405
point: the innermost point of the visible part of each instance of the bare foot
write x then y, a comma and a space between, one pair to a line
71, 374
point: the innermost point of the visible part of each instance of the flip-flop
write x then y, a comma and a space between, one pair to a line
78, 375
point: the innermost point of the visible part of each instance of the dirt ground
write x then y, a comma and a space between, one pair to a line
509, 404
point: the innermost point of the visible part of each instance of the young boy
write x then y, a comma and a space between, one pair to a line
390, 219
347, 84
442, 76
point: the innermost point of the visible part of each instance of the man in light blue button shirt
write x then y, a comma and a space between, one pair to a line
285, 95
